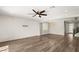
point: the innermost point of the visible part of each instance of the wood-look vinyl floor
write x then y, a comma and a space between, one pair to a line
44, 43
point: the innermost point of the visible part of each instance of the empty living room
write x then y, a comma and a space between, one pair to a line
39, 28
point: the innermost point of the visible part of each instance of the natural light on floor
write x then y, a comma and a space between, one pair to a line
4, 48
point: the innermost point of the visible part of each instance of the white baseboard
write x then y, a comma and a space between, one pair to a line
16, 38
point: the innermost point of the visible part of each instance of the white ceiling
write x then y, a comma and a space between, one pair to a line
52, 13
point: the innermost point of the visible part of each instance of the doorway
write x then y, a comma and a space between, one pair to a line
44, 28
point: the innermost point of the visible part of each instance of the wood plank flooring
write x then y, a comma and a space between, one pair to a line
44, 43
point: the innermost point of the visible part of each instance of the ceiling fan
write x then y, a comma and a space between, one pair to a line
39, 13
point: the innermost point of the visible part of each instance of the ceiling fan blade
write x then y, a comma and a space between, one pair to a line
34, 15
42, 11
34, 10
44, 14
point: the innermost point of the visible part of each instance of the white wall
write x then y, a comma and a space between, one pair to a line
11, 28
57, 26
